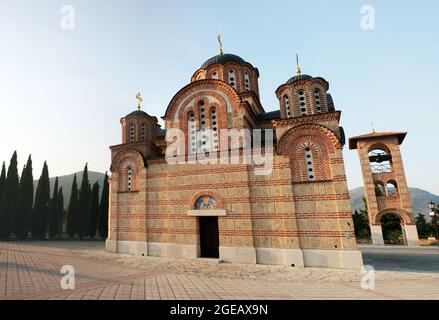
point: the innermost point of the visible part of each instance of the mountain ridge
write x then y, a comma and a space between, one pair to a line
420, 199
66, 181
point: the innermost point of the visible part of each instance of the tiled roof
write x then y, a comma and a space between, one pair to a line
299, 77
269, 115
222, 59
353, 140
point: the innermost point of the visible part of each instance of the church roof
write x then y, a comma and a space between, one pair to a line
353, 141
299, 77
222, 59
138, 113
269, 115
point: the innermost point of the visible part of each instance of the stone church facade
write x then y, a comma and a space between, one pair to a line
296, 214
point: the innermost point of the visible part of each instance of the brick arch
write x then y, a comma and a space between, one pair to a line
192, 105
380, 146
131, 154
322, 143
400, 213
119, 167
202, 85
321, 133
212, 194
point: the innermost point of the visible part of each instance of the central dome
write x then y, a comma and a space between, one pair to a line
222, 59
299, 77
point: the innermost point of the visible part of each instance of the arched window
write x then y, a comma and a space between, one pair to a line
232, 78
132, 132
129, 179
317, 100
309, 161
392, 188
143, 131
215, 75
303, 110
192, 141
309, 164
247, 80
380, 161
203, 132
379, 189
203, 128
287, 106
214, 126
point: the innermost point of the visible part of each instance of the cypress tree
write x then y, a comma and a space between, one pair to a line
60, 211
422, 226
72, 211
9, 200
94, 210
53, 212
2, 180
84, 205
40, 214
26, 199
103, 209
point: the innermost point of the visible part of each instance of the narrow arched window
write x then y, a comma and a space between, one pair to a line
247, 80
392, 188
232, 78
203, 133
192, 134
379, 189
143, 131
287, 106
303, 111
309, 161
132, 132
214, 126
317, 100
129, 179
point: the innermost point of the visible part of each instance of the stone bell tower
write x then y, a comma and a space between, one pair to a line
385, 183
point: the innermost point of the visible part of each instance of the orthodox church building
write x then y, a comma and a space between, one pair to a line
296, 214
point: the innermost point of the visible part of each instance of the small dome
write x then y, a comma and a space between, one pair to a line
298, 77
331, 106
222, 59
138, 113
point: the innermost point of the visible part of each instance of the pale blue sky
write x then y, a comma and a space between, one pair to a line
62, 93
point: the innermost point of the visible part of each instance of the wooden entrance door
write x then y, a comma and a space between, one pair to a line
209, 237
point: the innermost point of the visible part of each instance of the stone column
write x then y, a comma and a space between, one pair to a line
411, 235
377, 234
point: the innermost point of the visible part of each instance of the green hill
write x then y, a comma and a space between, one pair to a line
66, 183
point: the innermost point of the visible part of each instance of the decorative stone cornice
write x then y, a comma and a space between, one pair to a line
329, 116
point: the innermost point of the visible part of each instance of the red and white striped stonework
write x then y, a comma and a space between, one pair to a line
282, 217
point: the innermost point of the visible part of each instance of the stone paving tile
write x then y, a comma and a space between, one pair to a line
31, 270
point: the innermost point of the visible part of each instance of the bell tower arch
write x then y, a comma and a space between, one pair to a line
385, 183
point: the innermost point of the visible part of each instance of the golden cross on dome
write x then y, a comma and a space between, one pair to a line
298, 70
139, 100
220, 44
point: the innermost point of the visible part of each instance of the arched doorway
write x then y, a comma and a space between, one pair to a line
208, 226
392, 228
209, 237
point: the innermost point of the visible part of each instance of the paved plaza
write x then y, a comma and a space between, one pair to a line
31, 270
